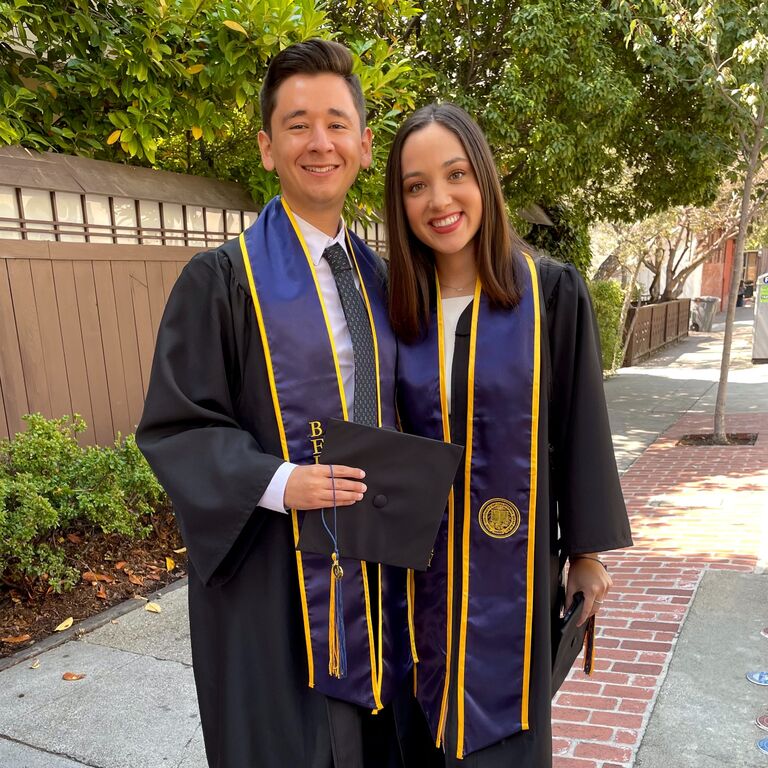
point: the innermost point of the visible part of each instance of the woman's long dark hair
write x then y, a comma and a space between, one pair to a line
411, 263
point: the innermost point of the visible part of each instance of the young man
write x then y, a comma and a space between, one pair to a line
262, 341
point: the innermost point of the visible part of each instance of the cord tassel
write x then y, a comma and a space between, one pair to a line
337, 643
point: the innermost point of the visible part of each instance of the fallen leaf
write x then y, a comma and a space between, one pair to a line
153, 608
94, 577
120, 565
181, 551
101, 593
15, 639
66, 624
170, 564
72, 676
136, 580
35, 664
152, 577
74, 538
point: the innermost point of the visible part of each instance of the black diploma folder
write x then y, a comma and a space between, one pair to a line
408, 478
569, 639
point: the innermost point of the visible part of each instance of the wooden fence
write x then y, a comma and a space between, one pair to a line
77, 330
655, 326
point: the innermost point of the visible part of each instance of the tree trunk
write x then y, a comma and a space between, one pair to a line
628, 291
754, 161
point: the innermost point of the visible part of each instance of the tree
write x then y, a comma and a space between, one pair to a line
724, 44
576, 122
171, 83
678, 241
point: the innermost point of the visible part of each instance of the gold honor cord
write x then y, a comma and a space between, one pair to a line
371, 647
535, 401
449, 575
467, 521
375, 683
284, 446
410, 594
381, 641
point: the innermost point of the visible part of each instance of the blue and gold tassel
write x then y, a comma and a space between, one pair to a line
337, 642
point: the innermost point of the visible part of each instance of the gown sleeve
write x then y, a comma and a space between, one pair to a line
213, 470
591, 512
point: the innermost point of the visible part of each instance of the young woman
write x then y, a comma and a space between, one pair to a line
498, 352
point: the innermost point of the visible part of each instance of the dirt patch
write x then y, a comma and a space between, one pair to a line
112, 568
734, 438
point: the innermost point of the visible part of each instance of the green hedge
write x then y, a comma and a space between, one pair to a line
607, 299
50, 484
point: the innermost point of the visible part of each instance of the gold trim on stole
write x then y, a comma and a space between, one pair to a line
451, 513
467, 522
535, 400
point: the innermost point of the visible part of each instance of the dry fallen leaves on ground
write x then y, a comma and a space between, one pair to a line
72, 676
15, 639
66, 624
153, 608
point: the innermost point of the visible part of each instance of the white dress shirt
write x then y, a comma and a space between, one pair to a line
452, 309
317, 242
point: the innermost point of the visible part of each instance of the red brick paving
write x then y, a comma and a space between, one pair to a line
692, 509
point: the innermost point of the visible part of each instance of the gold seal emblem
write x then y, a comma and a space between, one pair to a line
499, 518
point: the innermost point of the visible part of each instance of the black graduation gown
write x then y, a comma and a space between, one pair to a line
579, 491
210, 435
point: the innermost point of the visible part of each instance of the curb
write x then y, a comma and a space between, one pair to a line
86, 626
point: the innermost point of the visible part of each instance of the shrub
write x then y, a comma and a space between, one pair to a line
607, 299
49, 484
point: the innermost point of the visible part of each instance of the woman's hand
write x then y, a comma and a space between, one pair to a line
311, 487
588, 575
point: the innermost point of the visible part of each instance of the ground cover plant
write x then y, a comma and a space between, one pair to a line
81, 528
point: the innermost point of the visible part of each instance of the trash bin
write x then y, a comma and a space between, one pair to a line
703, 312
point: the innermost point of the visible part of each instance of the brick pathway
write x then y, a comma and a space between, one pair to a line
692, 509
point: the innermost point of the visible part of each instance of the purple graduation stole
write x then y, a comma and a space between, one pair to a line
491, 513
307, 389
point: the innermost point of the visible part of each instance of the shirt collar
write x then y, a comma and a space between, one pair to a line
317, 241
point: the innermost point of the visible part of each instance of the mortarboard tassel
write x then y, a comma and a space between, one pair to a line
337, 642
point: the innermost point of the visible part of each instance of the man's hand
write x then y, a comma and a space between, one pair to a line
311, 487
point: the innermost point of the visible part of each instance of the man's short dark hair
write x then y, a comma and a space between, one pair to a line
312, 57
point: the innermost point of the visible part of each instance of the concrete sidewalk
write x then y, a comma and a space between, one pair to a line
696, 514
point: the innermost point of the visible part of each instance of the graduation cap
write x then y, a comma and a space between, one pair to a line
396, 522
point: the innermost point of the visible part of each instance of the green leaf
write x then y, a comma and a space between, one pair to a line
235, 26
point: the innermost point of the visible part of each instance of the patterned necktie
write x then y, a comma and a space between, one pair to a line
365, 409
